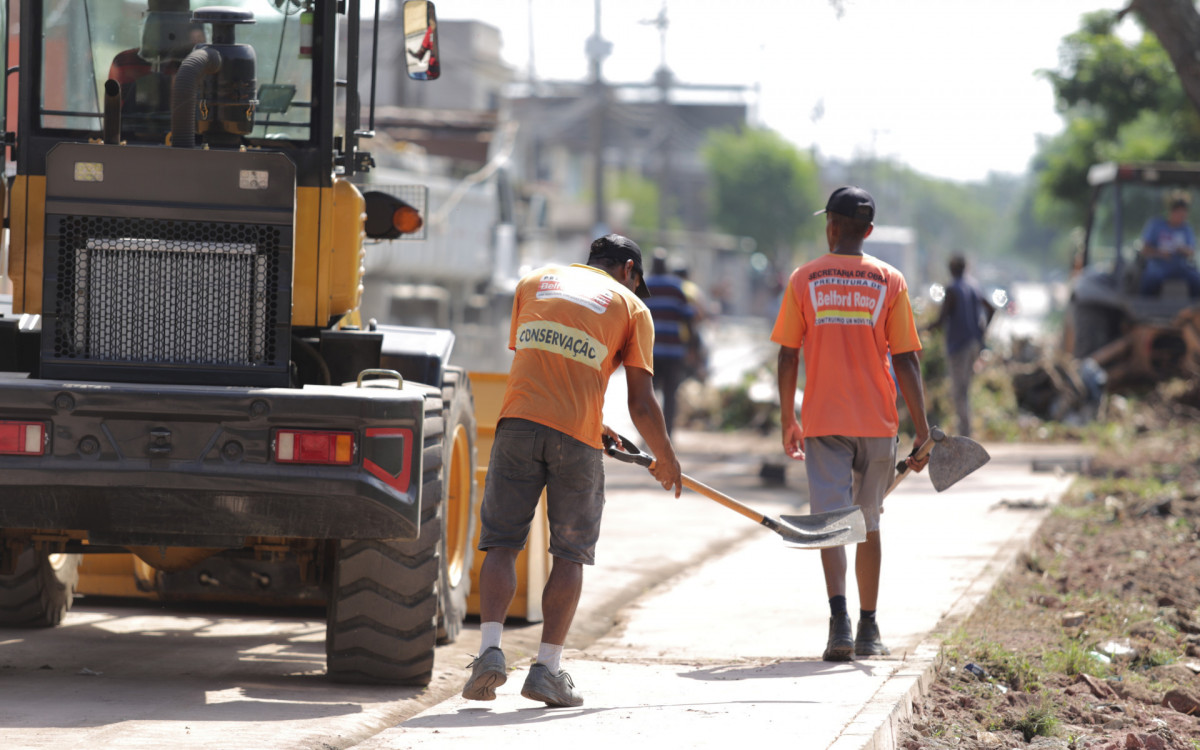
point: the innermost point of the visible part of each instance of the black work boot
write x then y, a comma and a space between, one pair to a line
867, 642
841, 645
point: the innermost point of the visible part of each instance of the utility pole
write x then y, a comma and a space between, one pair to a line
597, 50
532, 74
663, 80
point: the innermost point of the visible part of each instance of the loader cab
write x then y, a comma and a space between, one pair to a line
161, 131
286, 94
1125, 199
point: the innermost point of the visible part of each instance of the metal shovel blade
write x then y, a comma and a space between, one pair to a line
953, 458
834, 528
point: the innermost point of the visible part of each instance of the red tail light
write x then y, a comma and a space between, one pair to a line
314, 447
22, 438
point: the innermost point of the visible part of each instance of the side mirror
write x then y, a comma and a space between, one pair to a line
388, 217
420, 40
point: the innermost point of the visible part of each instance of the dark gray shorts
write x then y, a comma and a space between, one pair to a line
845, 471
528, 457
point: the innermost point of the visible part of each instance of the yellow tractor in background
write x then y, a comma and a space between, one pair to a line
1133, 335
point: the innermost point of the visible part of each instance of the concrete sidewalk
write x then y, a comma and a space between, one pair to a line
730, 651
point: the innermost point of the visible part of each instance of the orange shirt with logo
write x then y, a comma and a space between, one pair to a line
847, 312
572, 326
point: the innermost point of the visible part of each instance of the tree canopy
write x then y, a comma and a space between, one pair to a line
763, 187
1122, 101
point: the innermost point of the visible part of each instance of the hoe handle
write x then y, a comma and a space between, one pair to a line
902, 468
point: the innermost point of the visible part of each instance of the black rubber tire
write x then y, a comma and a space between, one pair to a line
40, 591
459, 502
383, 600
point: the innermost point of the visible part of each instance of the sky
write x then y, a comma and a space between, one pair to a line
948, 87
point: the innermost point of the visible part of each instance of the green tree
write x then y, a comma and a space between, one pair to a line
642, 194
763, 187
1122, 101
988, 220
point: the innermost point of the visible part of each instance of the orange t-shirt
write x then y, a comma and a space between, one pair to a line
847, 312
571, 327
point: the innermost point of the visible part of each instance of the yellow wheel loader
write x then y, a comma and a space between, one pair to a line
178, 375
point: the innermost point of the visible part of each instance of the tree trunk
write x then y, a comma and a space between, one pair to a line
1176, 23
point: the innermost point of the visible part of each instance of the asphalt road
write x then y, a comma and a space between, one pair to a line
122, 674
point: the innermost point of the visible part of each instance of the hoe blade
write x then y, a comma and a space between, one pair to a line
953, 458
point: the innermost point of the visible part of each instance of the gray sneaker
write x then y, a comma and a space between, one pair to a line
488, 672
551, 689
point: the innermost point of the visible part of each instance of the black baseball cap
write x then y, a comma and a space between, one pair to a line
850, 201
620, 248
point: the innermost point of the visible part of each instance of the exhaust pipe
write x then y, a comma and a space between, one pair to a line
112, 112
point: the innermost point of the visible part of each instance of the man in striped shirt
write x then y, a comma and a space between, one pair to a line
674, 328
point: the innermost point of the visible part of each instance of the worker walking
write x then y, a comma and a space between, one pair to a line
571, 327
848, 311
674, 330
964, 316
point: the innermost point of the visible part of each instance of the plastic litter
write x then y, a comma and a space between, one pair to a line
1113, 648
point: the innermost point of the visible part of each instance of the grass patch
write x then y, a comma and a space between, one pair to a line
1089, 513
1072, 659
1038, 721
1134, 487
1155, 658
1007, 667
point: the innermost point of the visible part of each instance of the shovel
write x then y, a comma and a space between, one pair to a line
951, 457
816, 531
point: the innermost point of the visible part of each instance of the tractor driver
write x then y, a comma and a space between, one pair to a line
1169, 248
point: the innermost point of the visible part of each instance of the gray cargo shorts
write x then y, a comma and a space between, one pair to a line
528, 457
845, 471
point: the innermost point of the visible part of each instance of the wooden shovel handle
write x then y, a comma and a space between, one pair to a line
723, 499
635, 456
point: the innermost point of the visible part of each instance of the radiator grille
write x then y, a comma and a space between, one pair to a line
168, 292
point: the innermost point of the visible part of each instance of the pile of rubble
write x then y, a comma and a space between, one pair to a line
1060, 388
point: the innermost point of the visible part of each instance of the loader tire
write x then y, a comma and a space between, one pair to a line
40, 591
382, 612
459, 502
383, 601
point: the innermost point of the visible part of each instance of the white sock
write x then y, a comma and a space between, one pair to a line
550, 655
491, 632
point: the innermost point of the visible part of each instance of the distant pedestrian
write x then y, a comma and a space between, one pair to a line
964, 316
674, 331
848, 312
696, 360
571, 327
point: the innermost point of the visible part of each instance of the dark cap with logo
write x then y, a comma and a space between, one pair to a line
850, 201
619, 248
